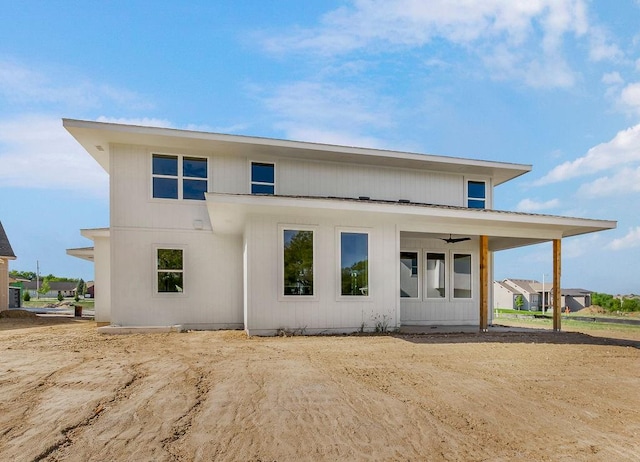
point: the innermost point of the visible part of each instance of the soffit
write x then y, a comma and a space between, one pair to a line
96, 138
229, 213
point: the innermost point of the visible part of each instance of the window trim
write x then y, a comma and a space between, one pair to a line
296, 298
486, 198
452, 294
418, 252
156, 270
338, 237
262, 183
446, 297
179, 177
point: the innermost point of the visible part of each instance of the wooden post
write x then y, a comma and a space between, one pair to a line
557, 309
484, 283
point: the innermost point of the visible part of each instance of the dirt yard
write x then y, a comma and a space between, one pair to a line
69, 393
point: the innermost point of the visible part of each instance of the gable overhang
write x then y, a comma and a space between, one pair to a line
97, 137
229, 214
85, 253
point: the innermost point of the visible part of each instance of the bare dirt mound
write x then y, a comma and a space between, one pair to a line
17, 314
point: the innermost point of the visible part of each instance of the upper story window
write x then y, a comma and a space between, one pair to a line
476, 194
263, 178
179, 177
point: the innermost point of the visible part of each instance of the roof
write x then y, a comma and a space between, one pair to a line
53, 285
97, 137
506, 230
5, 246
508, 287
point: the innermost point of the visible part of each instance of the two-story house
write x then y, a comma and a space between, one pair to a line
214, 231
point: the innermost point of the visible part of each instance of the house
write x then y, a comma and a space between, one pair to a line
66, 289
534, 294
6, 254
212, 231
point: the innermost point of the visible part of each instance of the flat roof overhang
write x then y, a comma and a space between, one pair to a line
97, 137
506, 230
85, 253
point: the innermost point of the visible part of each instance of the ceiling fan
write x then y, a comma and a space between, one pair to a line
453, 240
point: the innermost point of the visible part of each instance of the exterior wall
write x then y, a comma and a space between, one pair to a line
424, 311
575, 303
4, 284
102, 270
212, 295
132, 204
327, 311
502, 297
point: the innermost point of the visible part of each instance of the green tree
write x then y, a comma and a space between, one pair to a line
26, 297
519, 302
630, 304
30, 275
44, 287
60, 297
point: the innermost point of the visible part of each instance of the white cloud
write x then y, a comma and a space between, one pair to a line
630, 240
37, 152
530, 205
623, 149
27, 86
521, 40
622, 182
630, 96
612, 78
329, 113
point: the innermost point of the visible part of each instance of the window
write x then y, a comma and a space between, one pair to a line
409, 277
298, 262
177, 177
436, 275
476, 194
461, 275
263, 179
170, 270
354, 264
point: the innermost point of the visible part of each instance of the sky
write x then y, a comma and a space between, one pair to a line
550, 83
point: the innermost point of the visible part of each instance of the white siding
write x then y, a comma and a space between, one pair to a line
212, 279
102, 282
327, 312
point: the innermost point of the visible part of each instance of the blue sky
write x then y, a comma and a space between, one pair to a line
552, 83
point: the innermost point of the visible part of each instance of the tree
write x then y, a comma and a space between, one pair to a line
60, 297
30, 275
519, 302
26, 297
80, 287
630, 304
44, 287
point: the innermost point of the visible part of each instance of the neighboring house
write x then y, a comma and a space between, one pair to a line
505, 294
6, 254
67, 289
213, 231
534, 292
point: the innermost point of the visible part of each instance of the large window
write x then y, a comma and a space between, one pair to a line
461, 275
409, 275
436, 275
170, 270
476, 194
354, 264
298, 262
263, 178
179, 177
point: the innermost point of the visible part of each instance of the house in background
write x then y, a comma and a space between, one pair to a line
66, 289
213, 231
534, 294
6, 254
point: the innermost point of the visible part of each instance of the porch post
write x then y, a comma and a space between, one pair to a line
484, 283
557, 309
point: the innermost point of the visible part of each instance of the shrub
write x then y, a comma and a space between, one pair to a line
26, 297
60, 297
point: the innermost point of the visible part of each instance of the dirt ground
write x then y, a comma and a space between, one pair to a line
69, 393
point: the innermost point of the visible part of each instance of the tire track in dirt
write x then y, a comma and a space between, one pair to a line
183, 424
68, 433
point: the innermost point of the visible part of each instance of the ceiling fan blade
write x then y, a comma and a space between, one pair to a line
453, 240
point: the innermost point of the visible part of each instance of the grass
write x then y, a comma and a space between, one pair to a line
569, 324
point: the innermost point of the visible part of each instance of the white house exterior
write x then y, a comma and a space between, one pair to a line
213, 231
